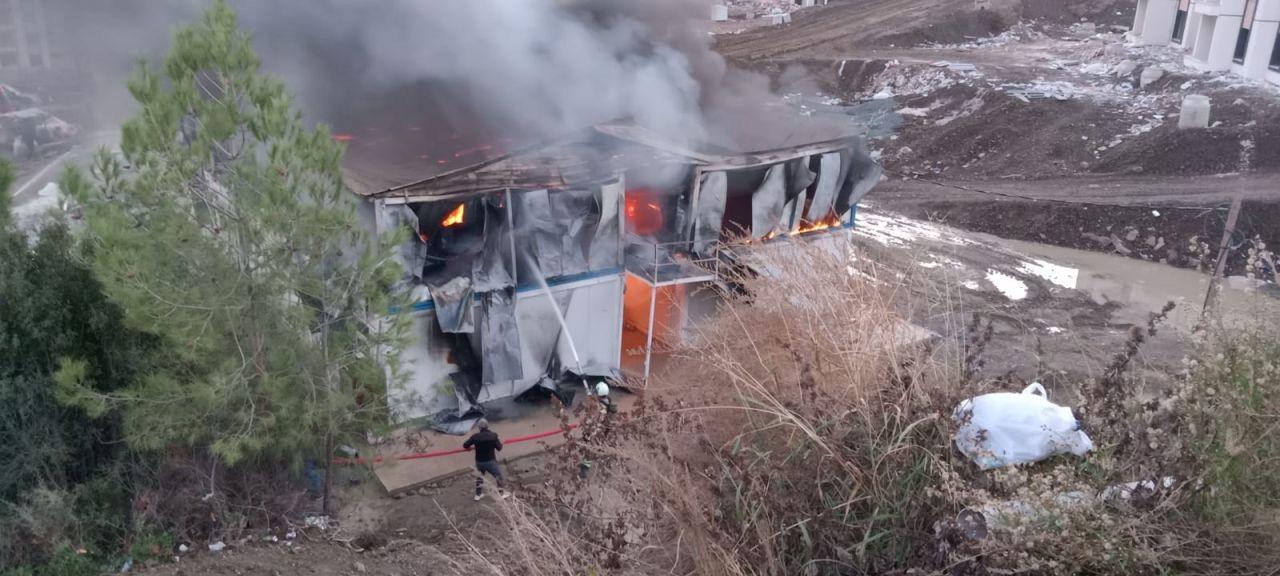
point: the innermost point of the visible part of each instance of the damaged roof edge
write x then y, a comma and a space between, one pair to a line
468, 180
736, 161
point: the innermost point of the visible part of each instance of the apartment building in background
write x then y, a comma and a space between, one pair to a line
1238, 36
31, 37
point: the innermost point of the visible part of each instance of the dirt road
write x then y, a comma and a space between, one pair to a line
844, 26
1157, 191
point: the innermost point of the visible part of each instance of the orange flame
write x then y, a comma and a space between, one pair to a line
831, 221
455, 218
644, 214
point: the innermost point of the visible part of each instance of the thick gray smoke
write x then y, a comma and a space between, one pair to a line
534, 67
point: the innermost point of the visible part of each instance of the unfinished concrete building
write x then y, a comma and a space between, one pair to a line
1237, 36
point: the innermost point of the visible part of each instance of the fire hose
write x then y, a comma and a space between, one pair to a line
450, 452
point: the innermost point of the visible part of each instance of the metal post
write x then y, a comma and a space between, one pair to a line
648, 347
515, 265
511, 233
1222, 254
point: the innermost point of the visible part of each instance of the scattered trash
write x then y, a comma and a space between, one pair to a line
217, 546
291, 535
128, 565
183, 548
1125, 492
1155, 213
1006, 429
1125, 68
883, 95
955, 66
321, 522
977, 522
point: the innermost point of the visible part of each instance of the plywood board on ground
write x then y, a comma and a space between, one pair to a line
400, 476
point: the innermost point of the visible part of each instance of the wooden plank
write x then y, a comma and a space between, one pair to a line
401, 476
1218, 270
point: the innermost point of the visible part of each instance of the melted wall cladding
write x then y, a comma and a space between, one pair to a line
768, 201
500, 349
712, 195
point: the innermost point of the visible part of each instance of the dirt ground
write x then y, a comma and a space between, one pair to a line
834, 30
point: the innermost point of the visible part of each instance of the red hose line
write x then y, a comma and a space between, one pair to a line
450, 452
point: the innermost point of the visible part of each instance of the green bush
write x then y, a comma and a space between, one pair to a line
102, 508
69, 562
153, 546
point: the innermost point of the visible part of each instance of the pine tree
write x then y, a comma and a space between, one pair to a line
231, 236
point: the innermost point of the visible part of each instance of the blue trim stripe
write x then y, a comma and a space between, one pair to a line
528, 287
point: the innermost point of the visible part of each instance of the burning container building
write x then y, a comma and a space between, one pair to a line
607, 233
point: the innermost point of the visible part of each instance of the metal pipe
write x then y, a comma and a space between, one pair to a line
648, 347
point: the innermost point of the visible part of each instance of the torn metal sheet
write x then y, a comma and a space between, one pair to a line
537, 233
799, 178
605, 250
466, 378
864, 174
454, 309
828, 183
712, 196
574, 211
768, 201
493, 268
500, 338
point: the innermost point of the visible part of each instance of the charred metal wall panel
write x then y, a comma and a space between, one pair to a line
712, 195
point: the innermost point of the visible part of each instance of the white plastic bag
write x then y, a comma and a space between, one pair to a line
1005, 429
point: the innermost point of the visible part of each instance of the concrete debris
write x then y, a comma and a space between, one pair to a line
883, 95
1097, 68
1125, 68
1060, 91
1119, 246
955, 66
1132, 235
1195, 112
1150, 74
1115, 50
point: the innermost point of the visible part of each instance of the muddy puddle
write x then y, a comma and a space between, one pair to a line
1143, 287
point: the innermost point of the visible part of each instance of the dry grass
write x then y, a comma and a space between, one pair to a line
803, 434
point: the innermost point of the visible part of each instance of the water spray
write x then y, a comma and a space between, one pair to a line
564, 324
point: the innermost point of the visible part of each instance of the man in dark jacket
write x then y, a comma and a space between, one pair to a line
486, 445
